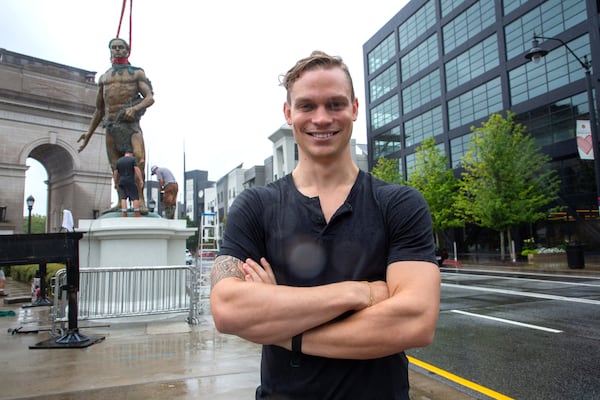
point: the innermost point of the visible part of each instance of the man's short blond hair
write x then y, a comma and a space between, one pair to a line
317, 59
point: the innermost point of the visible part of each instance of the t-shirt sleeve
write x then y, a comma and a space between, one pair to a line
243, 235
409, 224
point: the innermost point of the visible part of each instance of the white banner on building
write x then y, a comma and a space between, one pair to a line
584, 140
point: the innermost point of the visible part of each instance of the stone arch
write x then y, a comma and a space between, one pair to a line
59, 164
42, 150
44, 109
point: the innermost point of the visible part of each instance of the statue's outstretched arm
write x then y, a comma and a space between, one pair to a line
96, 119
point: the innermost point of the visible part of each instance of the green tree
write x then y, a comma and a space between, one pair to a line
38, 224
506, 179
192, 241
387, 169
436, 181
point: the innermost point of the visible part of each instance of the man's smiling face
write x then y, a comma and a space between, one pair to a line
321, 112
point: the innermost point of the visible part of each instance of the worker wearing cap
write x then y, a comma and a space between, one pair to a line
168, 188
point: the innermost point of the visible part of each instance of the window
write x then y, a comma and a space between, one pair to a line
383, 83
475, 104
387, 143
480, 58
382, 53
511, 5
449, 5
417, 24
422, 91
428, 124
411, 162
468, 24
385, 113
555, 122
458, 148
419, 58
576, 176
550, 18
558, 68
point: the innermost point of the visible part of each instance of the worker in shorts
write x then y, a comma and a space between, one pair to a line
128, 176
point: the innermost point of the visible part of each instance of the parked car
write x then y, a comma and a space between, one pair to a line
189, 259
441, 255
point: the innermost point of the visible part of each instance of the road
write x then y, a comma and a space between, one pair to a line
520, 335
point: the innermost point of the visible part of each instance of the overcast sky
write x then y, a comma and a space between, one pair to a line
214, 65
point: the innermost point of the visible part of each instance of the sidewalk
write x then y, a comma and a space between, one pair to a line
142, 358
592, 267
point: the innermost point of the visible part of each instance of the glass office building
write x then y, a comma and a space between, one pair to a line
439, 67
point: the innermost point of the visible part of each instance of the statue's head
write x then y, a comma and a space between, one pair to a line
119, 51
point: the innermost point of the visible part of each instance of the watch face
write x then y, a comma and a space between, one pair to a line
200, 193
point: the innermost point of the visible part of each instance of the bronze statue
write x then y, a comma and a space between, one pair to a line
124, 93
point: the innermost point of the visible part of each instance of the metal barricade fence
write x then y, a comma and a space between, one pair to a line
131, 291
59, 310
201, 288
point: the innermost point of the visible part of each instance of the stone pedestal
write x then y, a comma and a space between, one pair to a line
115, 241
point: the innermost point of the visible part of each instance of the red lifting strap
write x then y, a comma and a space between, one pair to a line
130, 20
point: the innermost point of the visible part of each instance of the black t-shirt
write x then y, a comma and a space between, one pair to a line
125, 166
378, 224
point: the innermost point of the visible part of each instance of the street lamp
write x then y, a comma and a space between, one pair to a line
30, 200
535, 55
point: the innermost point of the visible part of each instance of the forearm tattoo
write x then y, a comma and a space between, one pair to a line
225, 267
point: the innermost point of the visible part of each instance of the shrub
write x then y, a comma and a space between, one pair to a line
25, 273
526, 252
529, 244
529, 247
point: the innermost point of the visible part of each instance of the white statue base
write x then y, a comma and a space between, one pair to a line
115, 241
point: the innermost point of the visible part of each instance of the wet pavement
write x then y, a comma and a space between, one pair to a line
140, 358
159, 357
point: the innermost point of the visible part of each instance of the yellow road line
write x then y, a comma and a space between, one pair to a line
457, 379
